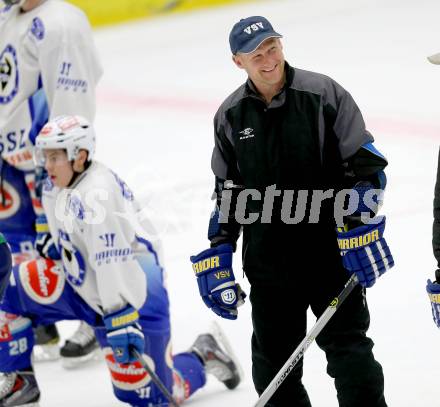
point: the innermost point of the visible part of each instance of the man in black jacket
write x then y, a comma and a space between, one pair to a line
436, 227
435, 59
433, 288
287, 134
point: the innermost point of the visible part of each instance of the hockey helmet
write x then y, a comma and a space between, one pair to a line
71, 133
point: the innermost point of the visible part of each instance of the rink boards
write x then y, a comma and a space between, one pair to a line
105, 12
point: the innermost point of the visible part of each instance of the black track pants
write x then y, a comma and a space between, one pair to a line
279, 322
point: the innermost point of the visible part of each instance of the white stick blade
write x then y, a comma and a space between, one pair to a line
434, 59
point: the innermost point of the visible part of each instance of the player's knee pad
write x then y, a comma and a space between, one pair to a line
34, 283
131, 382
38, 289
133, 385
42, 280
16, 342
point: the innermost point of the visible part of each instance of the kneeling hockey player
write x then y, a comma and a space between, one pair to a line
109, 275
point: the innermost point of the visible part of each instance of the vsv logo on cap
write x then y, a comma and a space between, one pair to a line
253, 27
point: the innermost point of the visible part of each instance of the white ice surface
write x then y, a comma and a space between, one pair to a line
163, 81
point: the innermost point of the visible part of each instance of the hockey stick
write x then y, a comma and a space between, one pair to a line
310, 337
155, 378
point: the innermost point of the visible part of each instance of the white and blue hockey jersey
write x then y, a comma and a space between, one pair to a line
104, 247
48, 67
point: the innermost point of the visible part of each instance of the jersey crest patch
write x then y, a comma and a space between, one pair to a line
42, 279
130, 376
9, 201
37, 28
76, 207
73, 261
9, 78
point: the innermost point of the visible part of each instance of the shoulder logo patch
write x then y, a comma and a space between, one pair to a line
37, 28
246, 133
8, 74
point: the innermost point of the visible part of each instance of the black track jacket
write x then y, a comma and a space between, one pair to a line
309, 137
436, 228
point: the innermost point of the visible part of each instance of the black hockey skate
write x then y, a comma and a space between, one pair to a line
19, 389
80, 348
47, 342
215, 353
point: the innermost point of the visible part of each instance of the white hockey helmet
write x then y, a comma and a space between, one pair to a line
70, 133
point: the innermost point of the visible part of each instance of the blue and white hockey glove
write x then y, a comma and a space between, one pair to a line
44, 243
5, 265
40, 178
365, 252
124, 333
217, 286
433, 290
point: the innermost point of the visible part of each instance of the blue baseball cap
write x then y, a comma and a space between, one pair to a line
248, 34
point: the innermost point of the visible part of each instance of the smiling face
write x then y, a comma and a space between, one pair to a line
264, 66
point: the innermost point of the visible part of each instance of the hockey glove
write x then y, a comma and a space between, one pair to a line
40, 178
124, 333
44, 243
213, 269
433, 289
365, 252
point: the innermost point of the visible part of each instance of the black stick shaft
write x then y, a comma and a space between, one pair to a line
155, 378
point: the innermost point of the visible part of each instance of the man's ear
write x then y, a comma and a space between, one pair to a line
237, 61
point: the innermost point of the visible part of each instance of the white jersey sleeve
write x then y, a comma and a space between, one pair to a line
51, 68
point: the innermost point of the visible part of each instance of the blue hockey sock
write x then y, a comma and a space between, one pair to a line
192, 371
